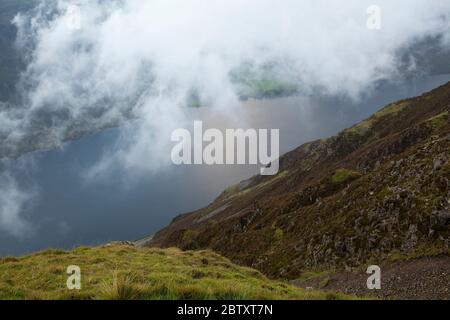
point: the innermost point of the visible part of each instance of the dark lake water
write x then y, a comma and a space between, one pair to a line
69, 212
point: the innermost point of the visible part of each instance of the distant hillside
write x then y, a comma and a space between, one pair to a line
125, 272
375, 191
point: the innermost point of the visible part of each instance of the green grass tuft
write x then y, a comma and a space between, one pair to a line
344, 175
438, 121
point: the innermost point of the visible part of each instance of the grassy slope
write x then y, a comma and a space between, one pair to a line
126, 272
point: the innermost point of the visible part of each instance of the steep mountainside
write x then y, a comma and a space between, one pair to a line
377, 190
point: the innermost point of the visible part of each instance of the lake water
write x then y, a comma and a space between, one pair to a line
69, 213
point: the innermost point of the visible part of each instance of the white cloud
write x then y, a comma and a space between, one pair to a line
13, 202
136, 58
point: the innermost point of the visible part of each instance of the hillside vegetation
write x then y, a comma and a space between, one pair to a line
379, 190
127, 272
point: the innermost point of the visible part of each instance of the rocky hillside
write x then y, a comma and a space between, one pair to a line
377, 190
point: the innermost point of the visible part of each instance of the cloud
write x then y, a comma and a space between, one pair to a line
134, 59
14, 201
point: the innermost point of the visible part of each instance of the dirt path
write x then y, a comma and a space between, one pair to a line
143, 242
424, 278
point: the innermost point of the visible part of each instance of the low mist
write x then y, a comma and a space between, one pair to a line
144, 66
